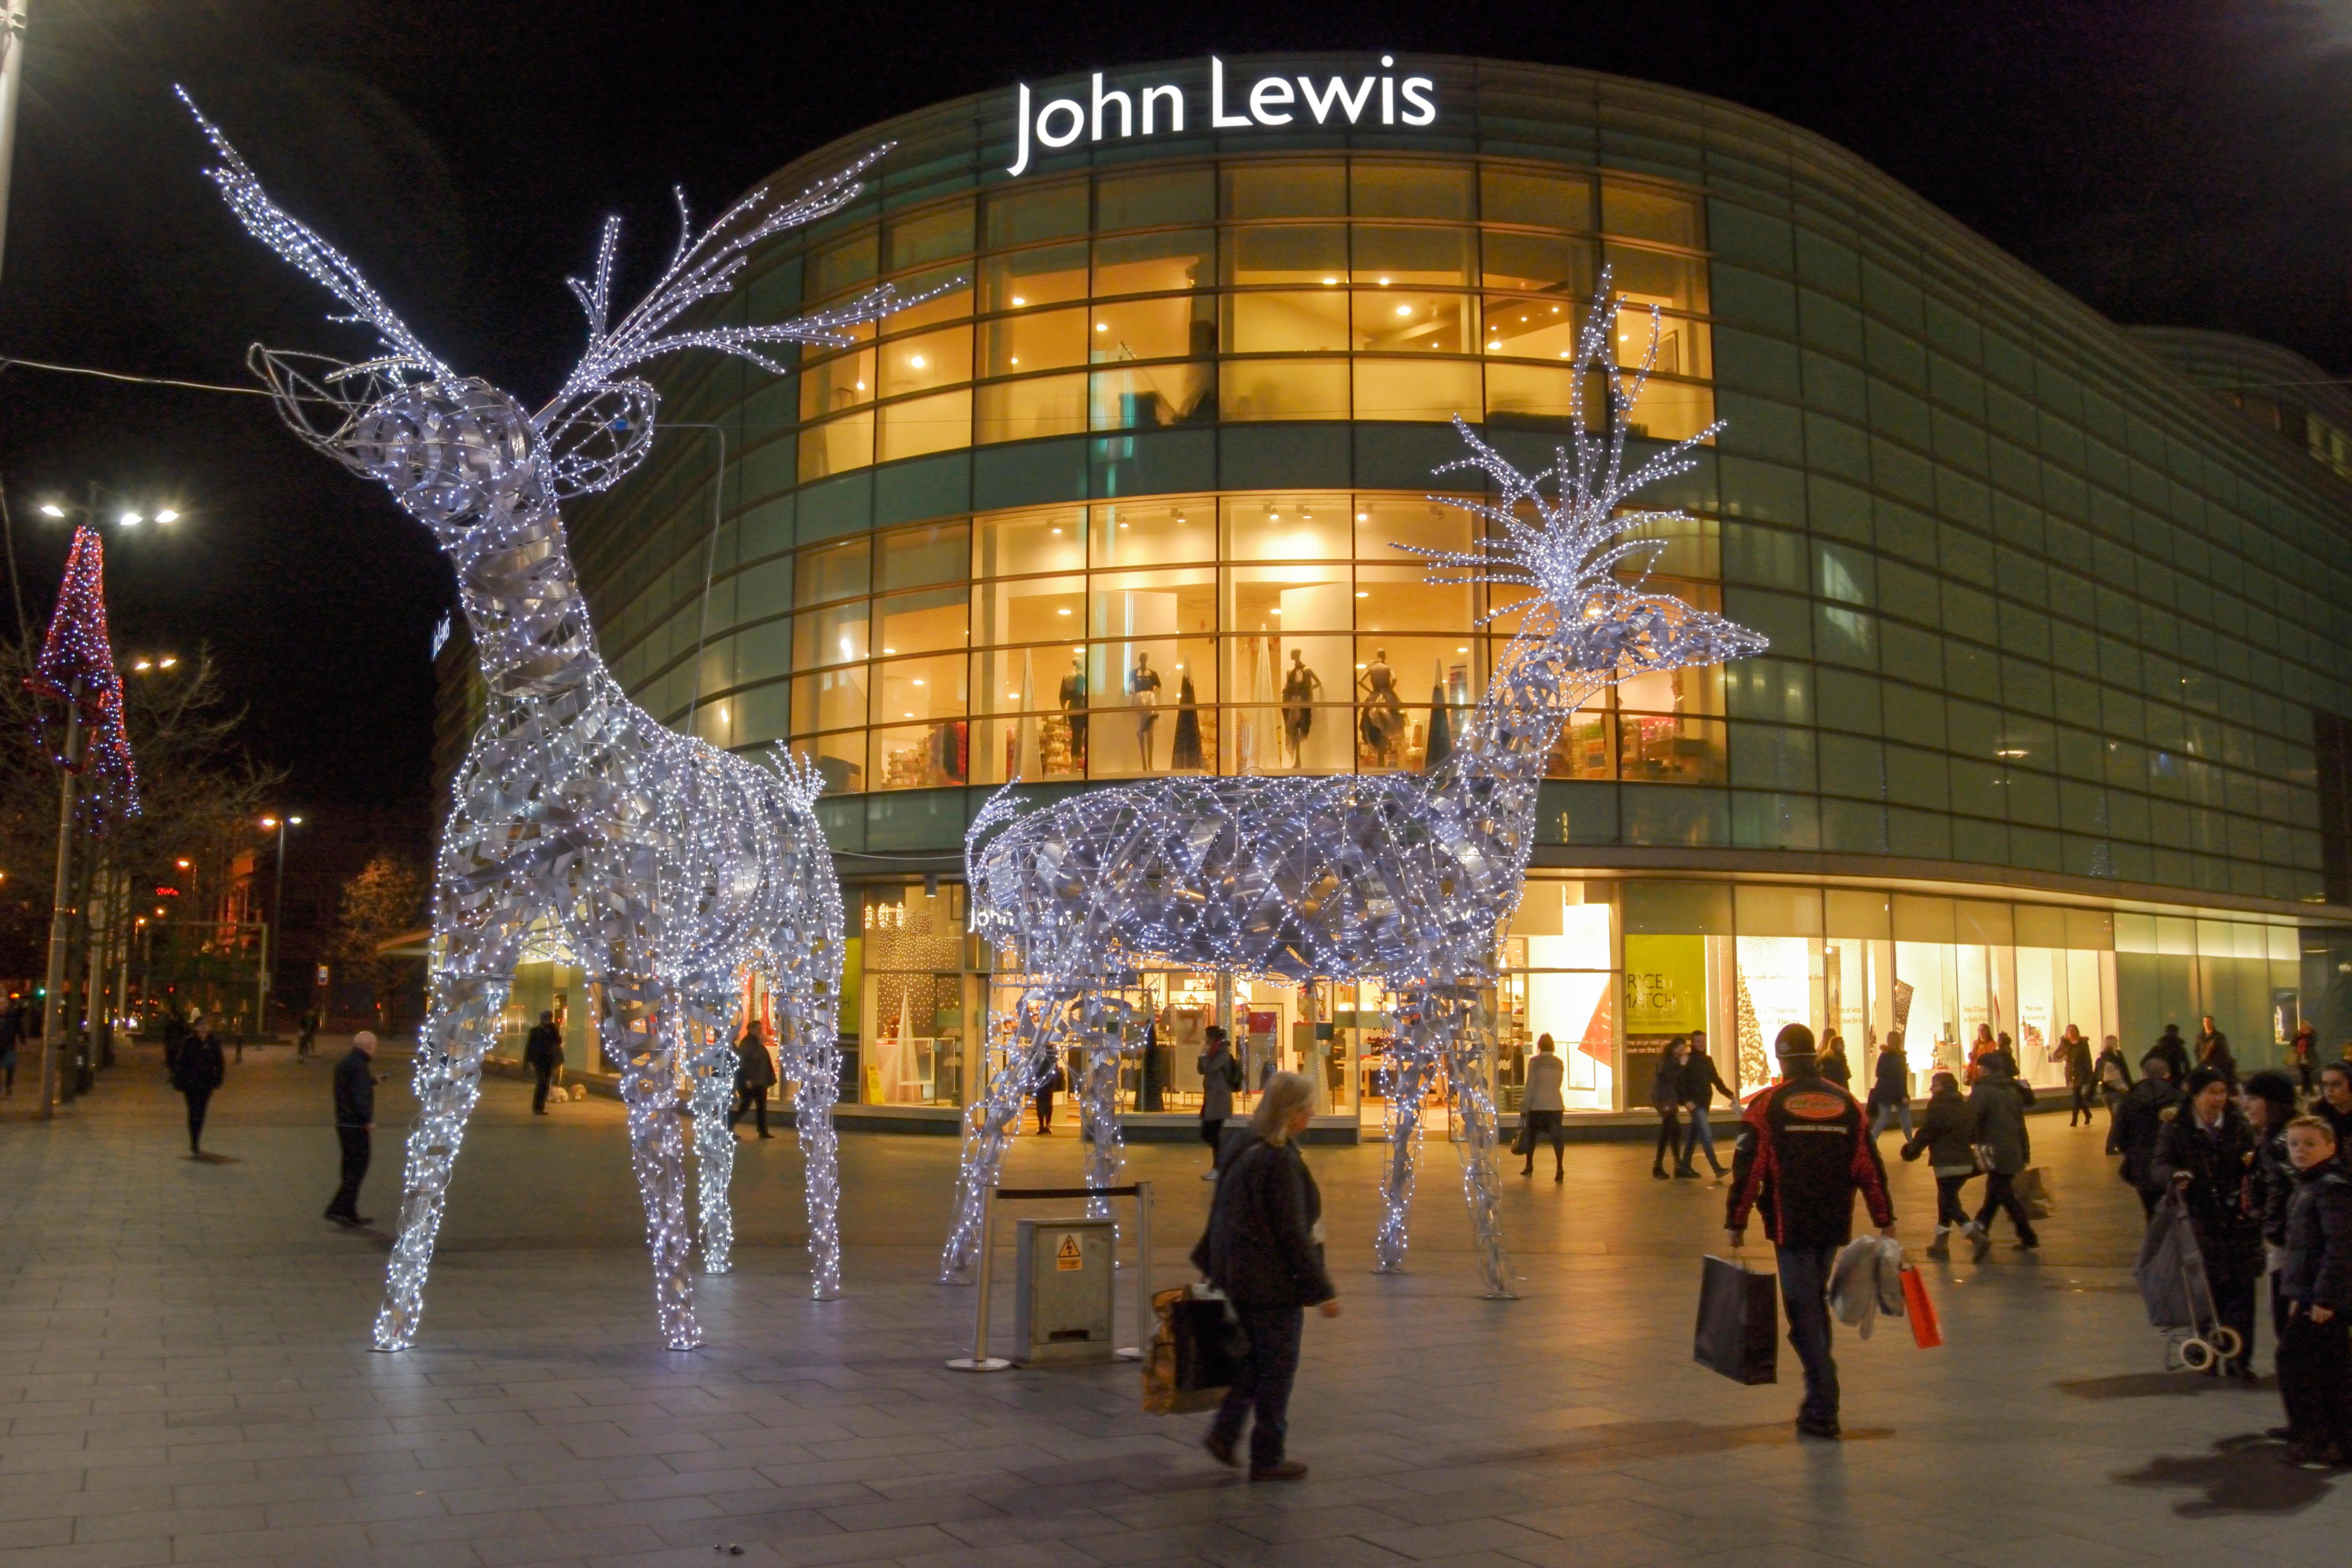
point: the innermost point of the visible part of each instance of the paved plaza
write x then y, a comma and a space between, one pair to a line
185, 1377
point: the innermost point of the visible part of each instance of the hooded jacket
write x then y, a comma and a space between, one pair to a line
2317, 1270
1997, 1108
1804, 1151
2138, 1120
2216, 1164
1947, 1135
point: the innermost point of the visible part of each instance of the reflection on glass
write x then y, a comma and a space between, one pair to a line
1155, 263
1024, 278
918, 426
837, 446
1021, 410
1316, 254
1284, 389
925, 361
1152, 329
1671, 282
832, 571
1145, 398
1047, 340
833, 699
842, 381
835, 634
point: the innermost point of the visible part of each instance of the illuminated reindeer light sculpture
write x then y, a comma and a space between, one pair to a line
1398, 879
669, 869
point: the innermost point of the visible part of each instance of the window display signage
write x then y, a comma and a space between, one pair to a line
1270, 102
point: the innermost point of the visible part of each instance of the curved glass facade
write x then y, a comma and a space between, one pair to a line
2054, 673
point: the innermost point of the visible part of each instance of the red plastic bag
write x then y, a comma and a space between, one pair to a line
1924, 1329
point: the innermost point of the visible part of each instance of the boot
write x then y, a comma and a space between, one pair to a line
1980, 1239
1941, 1246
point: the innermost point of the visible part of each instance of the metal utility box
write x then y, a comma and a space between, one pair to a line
1062, 1307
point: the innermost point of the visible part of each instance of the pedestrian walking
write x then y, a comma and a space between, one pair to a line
1221, 1077
1543, 1105
2114, 1082
1803, 1153
755, 1073
2214, 1051
176, 1032
1700, 1083
1996, 1111
1947, 1136
2334, 1106
306, 1041
2267, 1098
1666, 1098
354, 1128
1050, 1082
2139, 1120
2081, 1076
1834, 1067
2302, 1055
2204, 1153
199, 1069
2175, 1052
1890, 1087
542, 1053
1263, 1248
2315, 1355
12, 1034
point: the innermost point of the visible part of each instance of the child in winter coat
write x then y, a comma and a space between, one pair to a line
1946, 1136
2314, 1352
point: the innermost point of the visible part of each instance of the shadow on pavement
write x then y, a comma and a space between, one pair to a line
2154, 1386
2242, 1475
1620, 1441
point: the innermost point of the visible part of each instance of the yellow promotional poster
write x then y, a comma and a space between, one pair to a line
1666, 985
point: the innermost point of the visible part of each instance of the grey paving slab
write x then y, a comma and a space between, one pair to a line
185, 1377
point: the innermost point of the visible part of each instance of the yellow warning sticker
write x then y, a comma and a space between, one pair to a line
1065, 1255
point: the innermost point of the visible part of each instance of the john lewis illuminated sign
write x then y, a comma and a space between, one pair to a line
1271, 101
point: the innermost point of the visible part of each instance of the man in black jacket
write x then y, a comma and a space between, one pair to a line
1802, 1155
1700, 1084
2175, 1052
197, 1070
542, 1053
354, 1123
2138, 1120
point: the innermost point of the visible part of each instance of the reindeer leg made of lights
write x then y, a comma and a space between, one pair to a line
1412, 1066
807, 1022
1103, 1019
1468, 1031
710, 1062
641, 1035
989, 1125
471, 976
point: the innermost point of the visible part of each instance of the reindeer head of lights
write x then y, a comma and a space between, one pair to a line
687, 884
1400, 880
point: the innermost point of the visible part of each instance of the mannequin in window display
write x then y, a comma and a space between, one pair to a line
1143, 691
1185, 752
1383, 723
1300, 687
1073, 710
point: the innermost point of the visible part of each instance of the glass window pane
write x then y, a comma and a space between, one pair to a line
1585, 749
1418, 389
1316, 255
1698, 689
1152, 396
838, 447
926, 360
1539, 395
1307, 597
931, 235
842, 265
1554, 201
1153, 532
919, 689
1293, 322
1653, 278
1284, 389
940, 423
842, 381
835, 635
1641, 214
1126, 605
1154, 328
1390, 320
1288, 701
1408, 190
1038, 212
1540, 263
1287, 528
1148, 200
953, 303
1681, 345
1384, 521
1012, 544
1156, 263
1412, 255
1044, 339
921, 756
830, 571
1530, 328
1395, 599
1035, 610
1658, 748
840, 758
832, 700
1672, 410
1286, 190
1018, 410
1026, 277
915, 556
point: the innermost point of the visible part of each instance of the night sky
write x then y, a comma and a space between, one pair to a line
2170, 163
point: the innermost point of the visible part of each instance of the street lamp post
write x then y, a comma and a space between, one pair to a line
11, 87
276, 916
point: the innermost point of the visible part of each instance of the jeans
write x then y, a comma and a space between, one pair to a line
1949, 1210
540, 1075
1540, 1125
1670, 1137
753, 1098
2081, 1106
197, 1099
358, 1147
1887, 1114
1263, 1383
2000, 1196
2233, 1302
1804, 1294
2315, 1378
1046, 1110
1701, 1130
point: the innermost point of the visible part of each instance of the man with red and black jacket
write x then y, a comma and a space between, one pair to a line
1804, 1151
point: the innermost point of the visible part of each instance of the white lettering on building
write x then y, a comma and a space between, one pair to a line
1270, 102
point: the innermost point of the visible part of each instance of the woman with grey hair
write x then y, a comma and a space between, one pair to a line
1263, 1248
